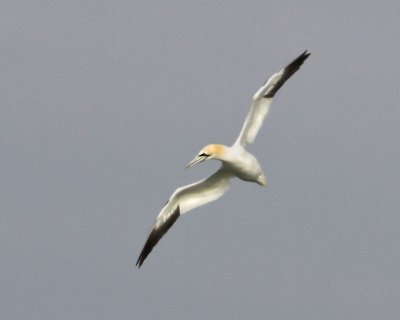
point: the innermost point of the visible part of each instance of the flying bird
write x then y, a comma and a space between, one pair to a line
236, 161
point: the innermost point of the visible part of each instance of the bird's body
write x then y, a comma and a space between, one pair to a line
244, 165
236, 161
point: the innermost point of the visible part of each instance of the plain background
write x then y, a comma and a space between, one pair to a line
104, 102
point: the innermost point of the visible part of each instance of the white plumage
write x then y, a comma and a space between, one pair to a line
236, 161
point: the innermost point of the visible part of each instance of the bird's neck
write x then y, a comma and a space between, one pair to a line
223, 153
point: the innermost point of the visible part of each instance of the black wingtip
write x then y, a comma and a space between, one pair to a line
139, 261
289, 70
296, 63
303, 56
156, 235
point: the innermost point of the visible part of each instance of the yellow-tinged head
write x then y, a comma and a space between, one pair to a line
211, 151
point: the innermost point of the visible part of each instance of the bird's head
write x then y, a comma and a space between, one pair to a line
211, 151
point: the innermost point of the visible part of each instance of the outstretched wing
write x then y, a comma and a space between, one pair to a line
263, 98
183, 200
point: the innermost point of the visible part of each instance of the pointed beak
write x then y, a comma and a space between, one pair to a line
197, 159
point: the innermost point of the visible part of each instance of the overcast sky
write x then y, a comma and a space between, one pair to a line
104, 102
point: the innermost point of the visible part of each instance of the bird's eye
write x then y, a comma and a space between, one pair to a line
203, 155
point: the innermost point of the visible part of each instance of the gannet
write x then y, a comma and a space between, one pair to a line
236, 161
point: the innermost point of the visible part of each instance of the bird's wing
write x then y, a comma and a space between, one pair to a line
263, 98
183, 200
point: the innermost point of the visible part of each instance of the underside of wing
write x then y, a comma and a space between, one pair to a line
183, 200
263, 98
156, 234
202, 192
254, 120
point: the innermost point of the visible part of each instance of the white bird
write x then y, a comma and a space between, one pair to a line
236, 162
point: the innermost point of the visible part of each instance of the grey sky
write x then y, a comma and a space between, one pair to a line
102, 105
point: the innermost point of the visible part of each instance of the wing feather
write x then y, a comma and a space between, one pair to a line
263, 98
183, 200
